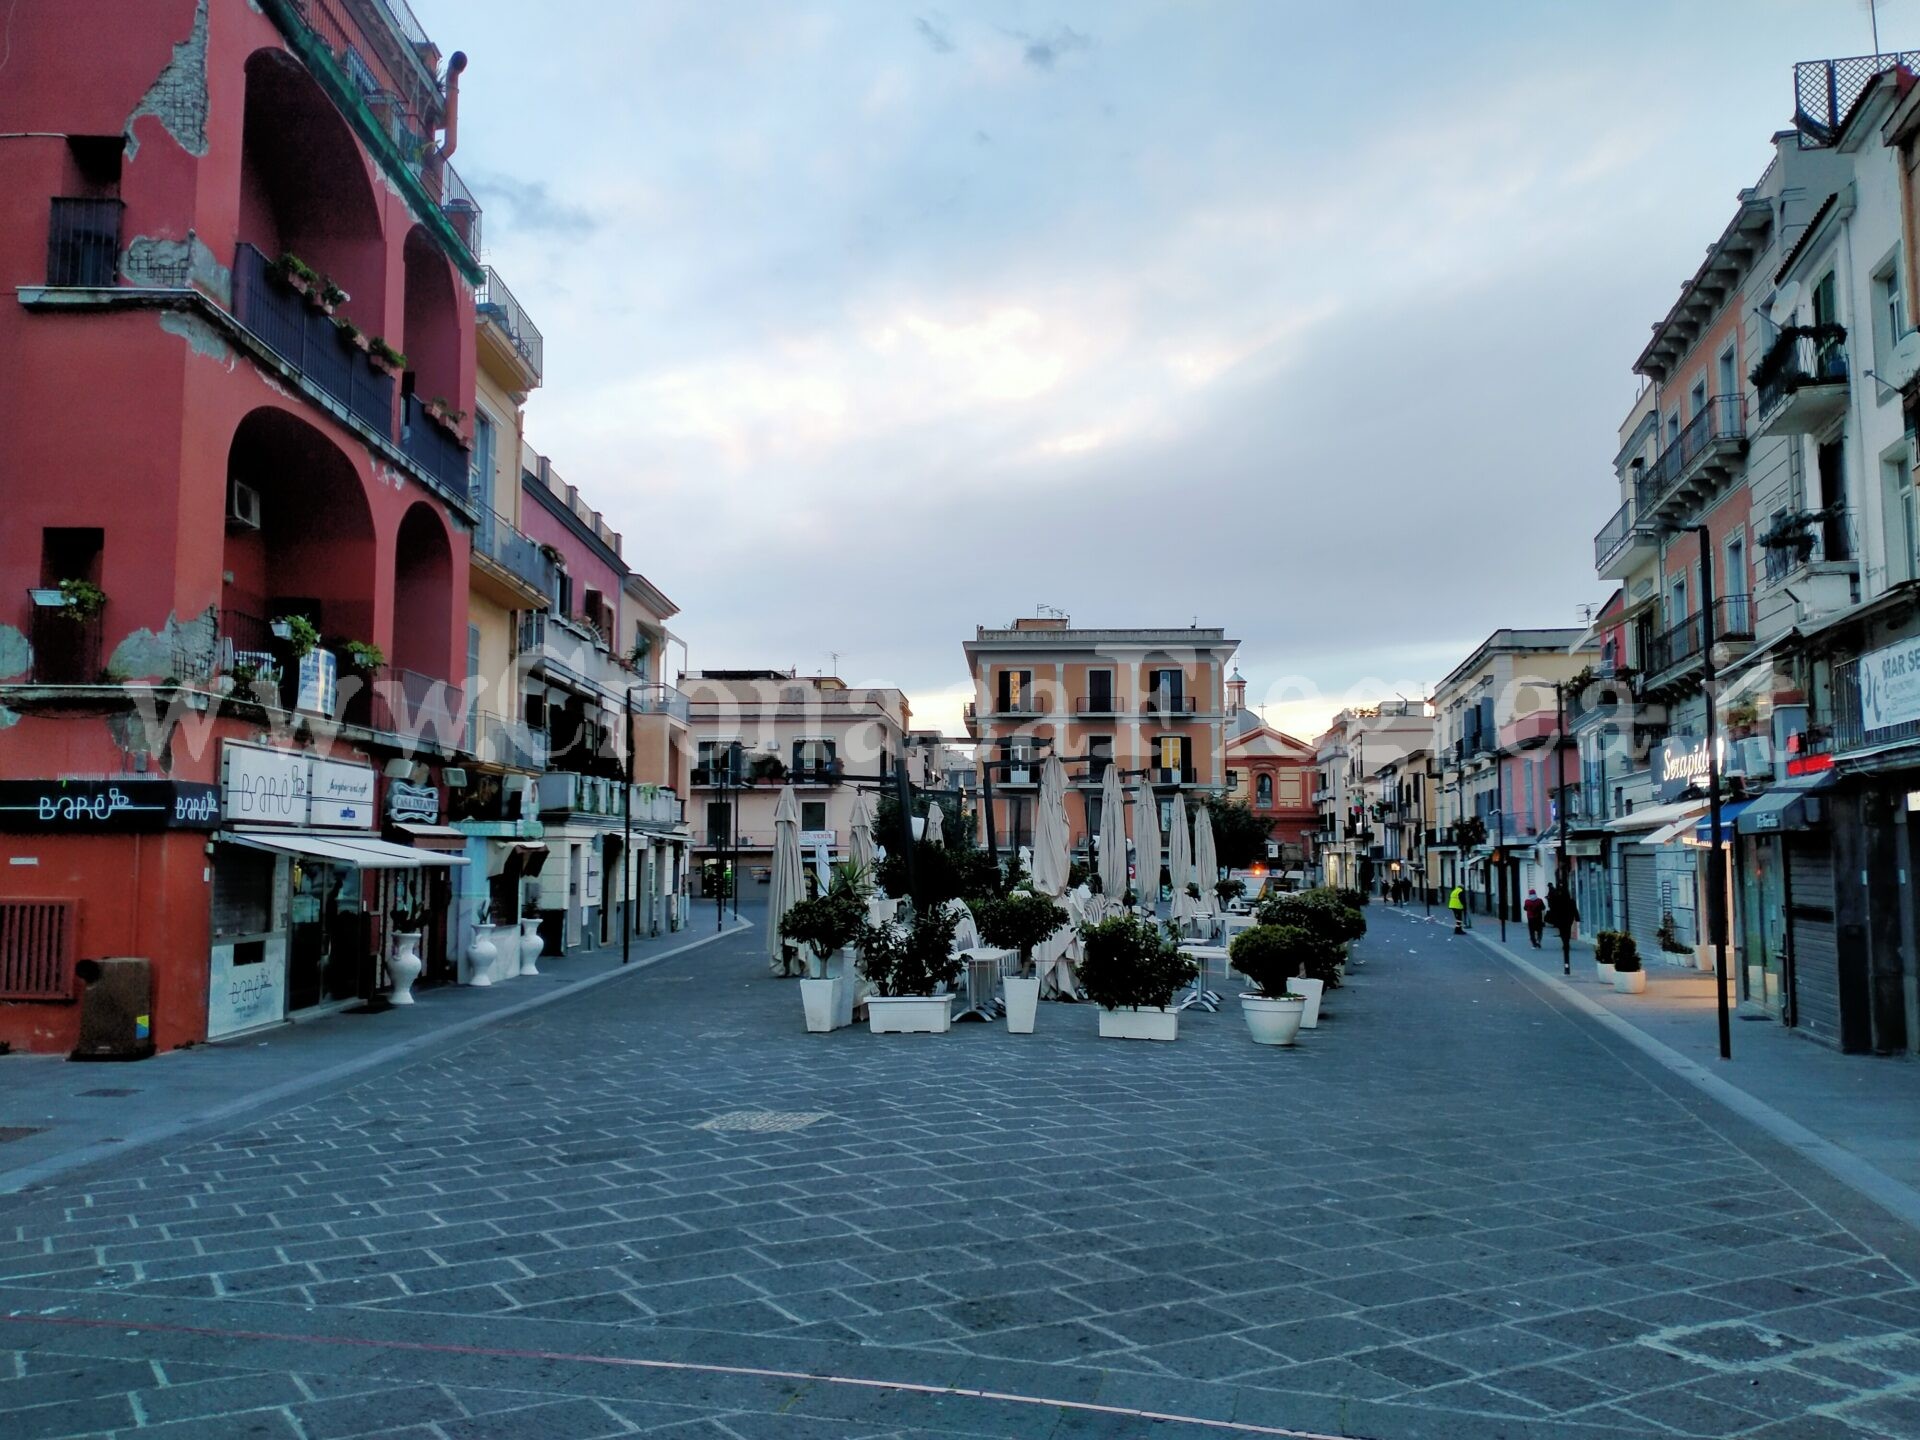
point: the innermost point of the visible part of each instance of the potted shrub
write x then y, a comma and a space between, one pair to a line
1022, 922
81, 600
363, 658
1628, 977
826, 925
296, 274
1131, 970
912, 968
1322, 913
329, 296
1229, 890
299, 634
409, 922
384, 358
353, 335
1272, 957
1606, 945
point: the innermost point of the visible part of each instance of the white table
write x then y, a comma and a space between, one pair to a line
1232, 925
985, 965
1209, 956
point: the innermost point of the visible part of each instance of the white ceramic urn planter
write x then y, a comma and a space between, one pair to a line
820, 998
909, 1014
404, 966
481, 955
1630, 982
1023, 1002
1273, 1022
1140, 1022
530, 946
1311, 991
846, 981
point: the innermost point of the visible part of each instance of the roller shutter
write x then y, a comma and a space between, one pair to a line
1644, 912
1811, 937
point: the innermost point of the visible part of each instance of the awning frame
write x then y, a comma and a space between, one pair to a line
356, 848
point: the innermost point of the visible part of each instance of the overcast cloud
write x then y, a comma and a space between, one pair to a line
869, 323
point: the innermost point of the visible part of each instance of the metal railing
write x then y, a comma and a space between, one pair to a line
1172, 774
282, 320
1851, 730
1030, 705
660, 700
1168, 705
501, 542
432, 446
1617, 533
1825, 91
1723, 419
460, 208
1800, 355
1685, 642
83, 242
1816, 536
500, 741
1097, 705
66, 649
496, 303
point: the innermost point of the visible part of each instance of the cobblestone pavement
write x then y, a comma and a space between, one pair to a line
1458, 1209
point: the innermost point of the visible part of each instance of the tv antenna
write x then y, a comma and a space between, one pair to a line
1873, 14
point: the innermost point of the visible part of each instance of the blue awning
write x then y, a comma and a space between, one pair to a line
1790, 805
1730, 811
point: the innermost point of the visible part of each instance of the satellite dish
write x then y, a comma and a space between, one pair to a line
1785, 301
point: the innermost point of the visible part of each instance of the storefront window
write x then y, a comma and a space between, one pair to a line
327, 954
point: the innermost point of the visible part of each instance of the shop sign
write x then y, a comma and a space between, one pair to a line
342, 795
98, 807
1889, 683
1681, 763
318, 682
260, 785
816, 839
413, 804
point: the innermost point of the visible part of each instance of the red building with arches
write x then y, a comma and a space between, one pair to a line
237, 342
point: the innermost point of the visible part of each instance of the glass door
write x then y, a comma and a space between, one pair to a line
327, 952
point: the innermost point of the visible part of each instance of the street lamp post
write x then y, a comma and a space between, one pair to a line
1563, 864
1500, 844
626, 846
1716, 862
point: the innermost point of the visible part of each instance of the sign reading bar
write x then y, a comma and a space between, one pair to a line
1889, 681
261, 785
100, 807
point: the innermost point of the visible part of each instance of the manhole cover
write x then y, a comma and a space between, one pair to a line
18, 1132
110, 1090
763, 1120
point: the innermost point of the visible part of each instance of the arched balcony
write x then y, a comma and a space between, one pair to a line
432, 385
420, 698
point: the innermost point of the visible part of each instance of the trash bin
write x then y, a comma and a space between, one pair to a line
116, 1009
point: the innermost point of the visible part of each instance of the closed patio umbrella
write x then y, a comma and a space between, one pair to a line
935, 830
1206, 861
1146, 846
1113, 841
1180, 862
1050, 859
788, 884
860, 834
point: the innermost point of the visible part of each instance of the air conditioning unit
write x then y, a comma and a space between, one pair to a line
1913, 451
243, 507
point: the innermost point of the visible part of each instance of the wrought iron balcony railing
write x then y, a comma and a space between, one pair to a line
1800, 355
1721, 421
83, 242
497, 304
433, 446
501, 542
1686, 642
282, 320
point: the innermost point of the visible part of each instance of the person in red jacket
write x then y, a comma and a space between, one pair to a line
1536, 909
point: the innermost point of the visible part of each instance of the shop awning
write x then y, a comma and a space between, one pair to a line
1787, 806
1655, 817
1670, 832
362, 850
526, 857
1730, 811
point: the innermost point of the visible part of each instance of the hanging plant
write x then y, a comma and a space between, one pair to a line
299, 633
81, 600
365, 656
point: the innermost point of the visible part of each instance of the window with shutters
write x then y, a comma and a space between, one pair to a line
36, 949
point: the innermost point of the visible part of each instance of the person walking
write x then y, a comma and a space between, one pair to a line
1536, 911
1457, 903
1563, 915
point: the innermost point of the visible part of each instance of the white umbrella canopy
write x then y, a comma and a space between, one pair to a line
1206, 860
1113, 839
788, 884
1050, 840
860, 835
1180, 862
1146, 845
935, 830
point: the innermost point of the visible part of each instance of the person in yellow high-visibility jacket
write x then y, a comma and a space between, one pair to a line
1457, 903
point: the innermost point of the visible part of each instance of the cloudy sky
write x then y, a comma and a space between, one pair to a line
868, 323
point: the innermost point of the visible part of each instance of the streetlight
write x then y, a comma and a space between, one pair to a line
1716, 864
1563, 863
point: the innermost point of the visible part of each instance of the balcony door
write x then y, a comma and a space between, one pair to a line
1099, 692
1016, 692
1834, 533
1172, 755
1169, 689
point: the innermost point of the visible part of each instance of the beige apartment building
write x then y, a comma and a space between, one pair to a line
756, 731
1152, 701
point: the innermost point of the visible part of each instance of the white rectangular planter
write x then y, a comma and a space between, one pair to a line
1023, 1002
909, 1014
821, 997
1310, 991
1131, 1023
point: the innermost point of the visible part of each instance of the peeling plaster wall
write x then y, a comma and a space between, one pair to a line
200, 336
16, 652
176, 264
178, 98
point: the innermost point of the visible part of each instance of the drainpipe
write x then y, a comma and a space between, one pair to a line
455, 64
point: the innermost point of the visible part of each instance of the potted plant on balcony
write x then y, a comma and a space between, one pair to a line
363, 658
81, 600
1793, 533
1628, 977
1022, 922
1273, 957
328, 296
296, 274
384, 358
1131, 969
912, 968
297, 633
826, 925
408, 922
353, 335
766, 770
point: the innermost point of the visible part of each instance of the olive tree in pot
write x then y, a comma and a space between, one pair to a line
1131, 970
1628, 977
824, 926
912, 968
1272, 956
1023, 921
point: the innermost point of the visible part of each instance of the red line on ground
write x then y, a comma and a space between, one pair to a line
1237, 1427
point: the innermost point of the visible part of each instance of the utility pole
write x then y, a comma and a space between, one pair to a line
626, 848
1564, 864
1716, 854
1500, 845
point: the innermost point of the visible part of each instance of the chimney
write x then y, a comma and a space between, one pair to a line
451, 122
